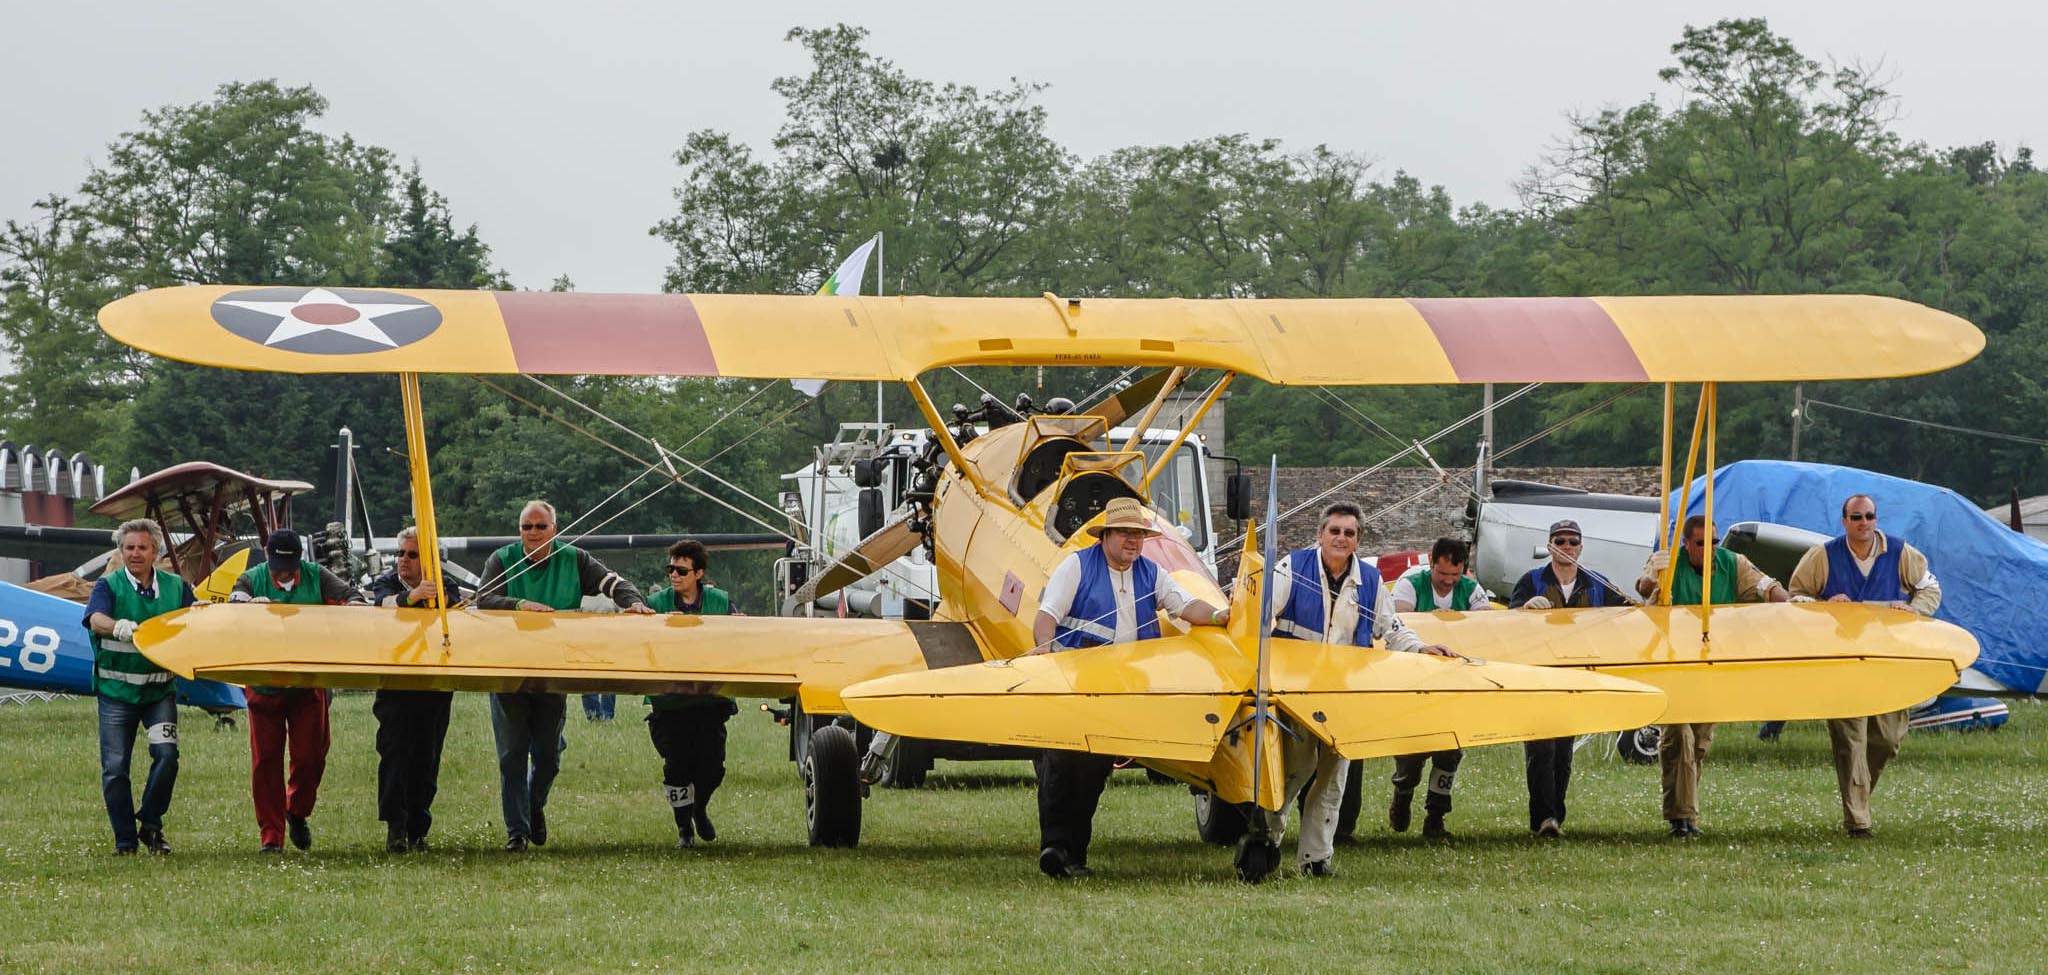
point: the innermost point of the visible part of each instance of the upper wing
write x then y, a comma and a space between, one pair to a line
1765, 661
1332, 341
355, 646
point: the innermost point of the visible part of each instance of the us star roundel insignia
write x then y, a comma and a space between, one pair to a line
326, 321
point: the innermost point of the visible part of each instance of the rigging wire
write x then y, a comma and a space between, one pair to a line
1992, 434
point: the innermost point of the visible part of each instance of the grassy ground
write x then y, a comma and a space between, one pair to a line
945, 879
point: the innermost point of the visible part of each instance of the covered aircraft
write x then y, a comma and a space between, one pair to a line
1202, 704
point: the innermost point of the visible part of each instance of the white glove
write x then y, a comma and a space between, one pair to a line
124, 630
238, 596
1537, 602
1802, 599
1659, 562
260, 599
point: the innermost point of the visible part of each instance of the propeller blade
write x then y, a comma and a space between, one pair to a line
1126, 402
889, 543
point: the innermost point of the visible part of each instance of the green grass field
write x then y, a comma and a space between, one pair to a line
946, 881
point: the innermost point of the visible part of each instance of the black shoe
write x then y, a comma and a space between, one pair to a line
1079, 871
1344, 839
1397, 812
277, 848
684, 840
1318, 868
516, 844
395, 841
300, 832
704, 827
1684, 829
124, 851
1053, 862
153, 840
537, 830
1433, 827
1549, 829
418, 844
1862, 833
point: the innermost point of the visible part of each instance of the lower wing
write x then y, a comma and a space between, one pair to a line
1173, 699
1764, 661
503, 651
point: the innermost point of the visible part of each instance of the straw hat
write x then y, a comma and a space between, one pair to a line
1124, 513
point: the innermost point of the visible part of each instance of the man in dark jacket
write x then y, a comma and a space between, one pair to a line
1560, 583
411, 725
539, 574
689, 729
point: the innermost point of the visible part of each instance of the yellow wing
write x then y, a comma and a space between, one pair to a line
355, 646
1173, 699
1765, 661
1289, 341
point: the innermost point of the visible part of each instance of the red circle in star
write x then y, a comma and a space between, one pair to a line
326, 314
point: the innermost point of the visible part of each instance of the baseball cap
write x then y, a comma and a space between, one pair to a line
284, 549
1567, 525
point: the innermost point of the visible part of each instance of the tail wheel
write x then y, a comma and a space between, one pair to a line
1217, 821
831, 770
1639, 746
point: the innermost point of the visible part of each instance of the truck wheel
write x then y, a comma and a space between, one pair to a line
1638, 747
831, 772
1217, 821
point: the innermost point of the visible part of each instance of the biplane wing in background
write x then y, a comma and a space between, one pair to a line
1009, 504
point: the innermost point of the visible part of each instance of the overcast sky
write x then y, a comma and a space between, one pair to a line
550, 124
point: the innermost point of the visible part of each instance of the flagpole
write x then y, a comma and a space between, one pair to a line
878, 293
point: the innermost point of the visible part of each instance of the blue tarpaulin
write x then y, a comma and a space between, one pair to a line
1994, 581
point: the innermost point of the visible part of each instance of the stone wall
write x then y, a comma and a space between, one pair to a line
1409, 508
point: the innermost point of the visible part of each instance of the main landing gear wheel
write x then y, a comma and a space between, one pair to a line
1638, 747
1216, 821
831, 770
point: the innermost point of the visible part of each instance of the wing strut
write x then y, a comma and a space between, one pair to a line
423, 495
1166, 457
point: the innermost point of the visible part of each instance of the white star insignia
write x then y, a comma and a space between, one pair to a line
321, 310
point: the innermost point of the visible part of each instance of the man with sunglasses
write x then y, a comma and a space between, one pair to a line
689, 729
1443, 585
1559, 583
411, 725
1682, 748
539, 574
1864, 565
1321, 594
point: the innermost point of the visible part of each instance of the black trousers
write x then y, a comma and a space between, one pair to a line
411, 726
1408, 775
1549, 764
1069, 788
691, 742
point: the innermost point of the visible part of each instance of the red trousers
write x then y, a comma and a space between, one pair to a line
296, 719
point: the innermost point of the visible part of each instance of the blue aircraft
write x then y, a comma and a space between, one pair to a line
43, 647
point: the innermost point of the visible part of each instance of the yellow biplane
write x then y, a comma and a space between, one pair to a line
1001, 509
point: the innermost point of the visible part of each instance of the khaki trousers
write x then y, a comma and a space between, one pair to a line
1681, 750
1306, 755
1862, 748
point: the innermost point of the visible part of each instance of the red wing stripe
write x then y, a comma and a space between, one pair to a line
566, 333
1526, 340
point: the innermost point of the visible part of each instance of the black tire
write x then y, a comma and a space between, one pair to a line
1157, 777
1218, 822
1638, 747
832, 788
907, 766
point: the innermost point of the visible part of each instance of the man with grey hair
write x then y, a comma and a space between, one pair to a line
411, 725
133, 692
539, 574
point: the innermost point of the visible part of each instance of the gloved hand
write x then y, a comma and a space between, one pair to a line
1659, 562
124, 630
1537, 602
238, 596
1802, 599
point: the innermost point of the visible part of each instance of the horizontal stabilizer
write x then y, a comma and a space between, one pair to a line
1765, 661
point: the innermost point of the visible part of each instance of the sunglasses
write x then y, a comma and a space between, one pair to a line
1342, 532
408, 556
1562, 540
680, 570
538, 526
1860, 516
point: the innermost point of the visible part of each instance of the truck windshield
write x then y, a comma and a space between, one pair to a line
1177, 491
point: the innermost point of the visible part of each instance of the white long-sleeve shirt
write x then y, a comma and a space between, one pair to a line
1340, 613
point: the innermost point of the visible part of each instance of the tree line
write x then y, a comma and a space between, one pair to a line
1757, 171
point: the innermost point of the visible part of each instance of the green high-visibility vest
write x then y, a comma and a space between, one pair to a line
126, 675
712, 601
1685, 583
306, 593
554, 581
1425, 592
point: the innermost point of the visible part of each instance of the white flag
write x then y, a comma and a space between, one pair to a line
844, 281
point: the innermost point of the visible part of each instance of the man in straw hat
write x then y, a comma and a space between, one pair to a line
1105, 593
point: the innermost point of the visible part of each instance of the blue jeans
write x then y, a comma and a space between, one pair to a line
527, 727
600, 706
119, 721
